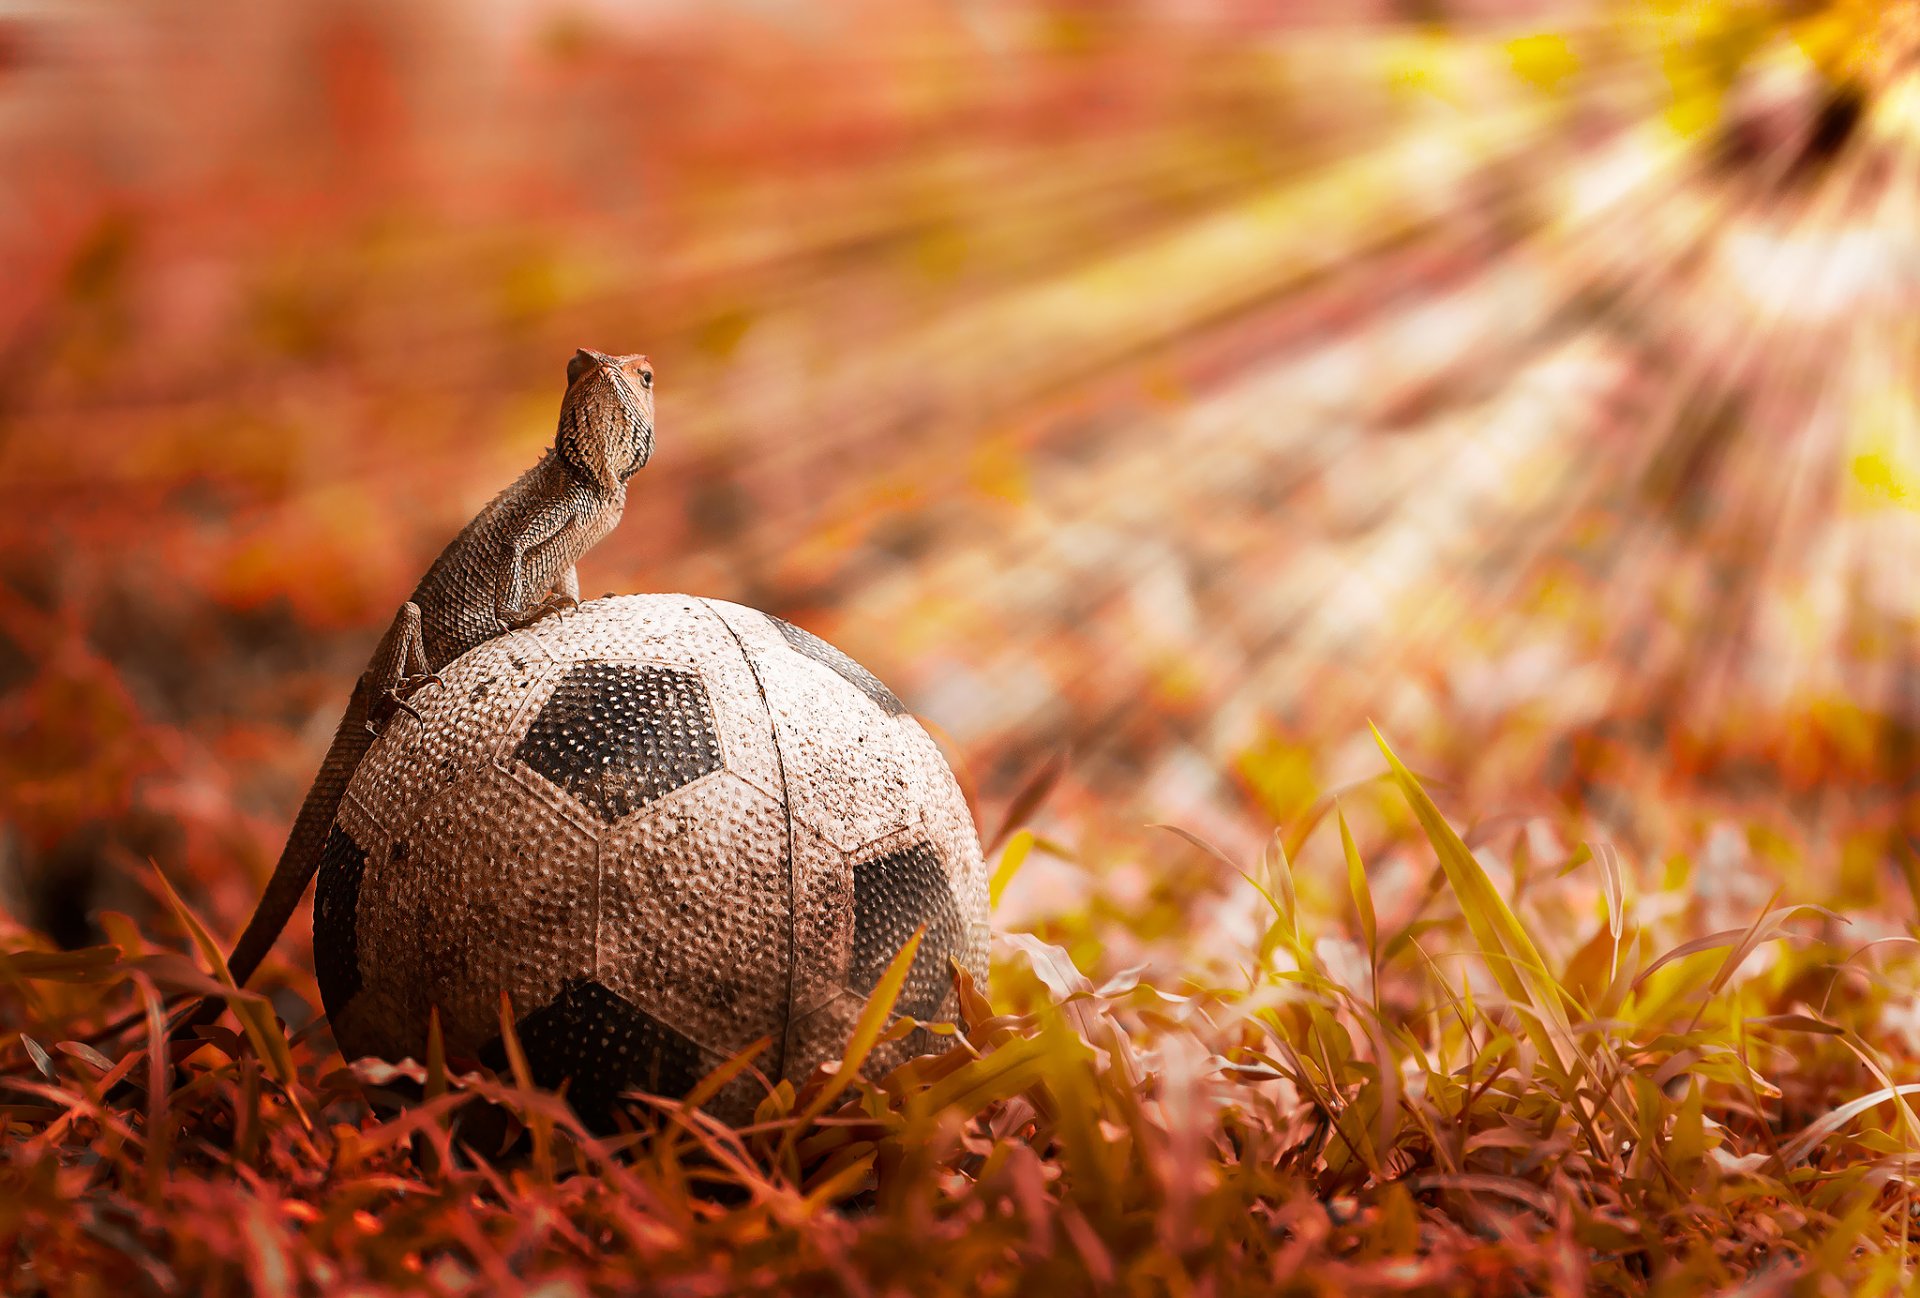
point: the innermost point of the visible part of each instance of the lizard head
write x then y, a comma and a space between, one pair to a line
606, 418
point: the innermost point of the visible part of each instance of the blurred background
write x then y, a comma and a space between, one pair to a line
1153, 392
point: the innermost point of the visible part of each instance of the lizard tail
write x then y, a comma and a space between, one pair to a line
300, 858
398, 653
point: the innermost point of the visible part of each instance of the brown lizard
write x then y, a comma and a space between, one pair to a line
509, 567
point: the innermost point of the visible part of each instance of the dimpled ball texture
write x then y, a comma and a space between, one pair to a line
666, 827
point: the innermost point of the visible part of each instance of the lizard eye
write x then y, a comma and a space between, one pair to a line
646, 378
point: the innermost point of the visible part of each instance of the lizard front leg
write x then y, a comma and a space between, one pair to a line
562, 599
517, 607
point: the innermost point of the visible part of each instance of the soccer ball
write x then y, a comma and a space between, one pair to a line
666, 827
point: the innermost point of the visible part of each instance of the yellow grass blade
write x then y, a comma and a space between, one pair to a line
510, 1043
1613, 887
539, 1122
1203, 845
255, 1015
1796, 1150
1279, 872
1514, 961
714, 1082
1011, 860
1361, 889
1010, 1069
866, 1032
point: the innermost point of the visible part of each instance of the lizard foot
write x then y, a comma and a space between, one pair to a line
395, 699
412, 685
555, 605
381, 715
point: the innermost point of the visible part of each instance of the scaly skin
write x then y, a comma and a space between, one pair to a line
509, 567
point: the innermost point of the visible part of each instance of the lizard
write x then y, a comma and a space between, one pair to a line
514, 564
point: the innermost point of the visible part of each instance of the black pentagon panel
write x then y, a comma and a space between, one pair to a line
336, 904
809, 645
600, 1044
892, 896
617, 736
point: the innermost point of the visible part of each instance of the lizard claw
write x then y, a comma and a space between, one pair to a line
390, 702
555, 605
412, 685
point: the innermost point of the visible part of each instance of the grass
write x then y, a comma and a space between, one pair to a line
1423, 1092
1658, 1035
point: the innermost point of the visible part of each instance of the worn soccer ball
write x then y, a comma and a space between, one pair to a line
665, 827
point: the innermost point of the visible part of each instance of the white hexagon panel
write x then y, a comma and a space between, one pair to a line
666, 827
